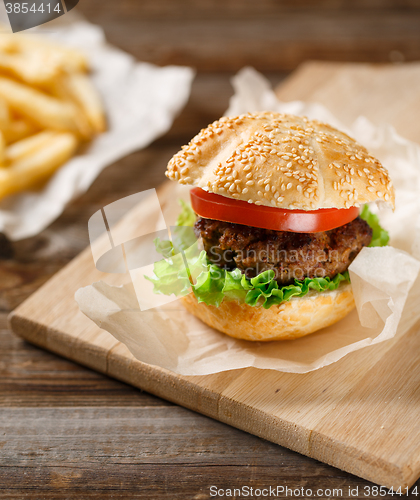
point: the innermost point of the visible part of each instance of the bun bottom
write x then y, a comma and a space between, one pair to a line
290, 320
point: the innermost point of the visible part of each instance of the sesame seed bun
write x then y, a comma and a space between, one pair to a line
283, 161
289, 320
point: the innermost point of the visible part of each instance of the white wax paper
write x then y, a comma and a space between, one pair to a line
141, 101
384, 280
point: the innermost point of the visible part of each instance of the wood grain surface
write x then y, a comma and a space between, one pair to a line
180, 454
218, 35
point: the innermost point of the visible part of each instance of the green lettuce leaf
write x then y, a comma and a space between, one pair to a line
212, 285
380, 237
187, 215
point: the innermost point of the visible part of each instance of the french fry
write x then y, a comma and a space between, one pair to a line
83, 93
28, 146
16, 130
4, 114
27, 172
2, 149
34, 70
47, 105
65, 58
45, 110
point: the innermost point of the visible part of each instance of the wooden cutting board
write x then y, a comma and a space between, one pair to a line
360, 414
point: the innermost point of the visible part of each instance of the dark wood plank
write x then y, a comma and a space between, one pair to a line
271, 36
31, 377
156, 452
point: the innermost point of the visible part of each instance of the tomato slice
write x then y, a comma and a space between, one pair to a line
218, 207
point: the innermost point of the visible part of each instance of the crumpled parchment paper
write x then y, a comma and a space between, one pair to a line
141, 101
384, 280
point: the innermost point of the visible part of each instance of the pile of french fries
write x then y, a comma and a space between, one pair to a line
48, 108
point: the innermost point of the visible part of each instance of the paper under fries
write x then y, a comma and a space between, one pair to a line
48, 106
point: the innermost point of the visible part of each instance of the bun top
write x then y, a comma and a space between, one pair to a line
283, 161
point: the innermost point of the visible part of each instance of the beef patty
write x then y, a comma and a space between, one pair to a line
290, 255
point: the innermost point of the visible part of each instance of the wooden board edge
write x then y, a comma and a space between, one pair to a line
364, 465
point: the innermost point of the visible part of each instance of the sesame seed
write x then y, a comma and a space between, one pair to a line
289, 186
299, 188
371, 189
250, 183
244, 190
267, 187
379, 194
386, 196
258, 202
260, 194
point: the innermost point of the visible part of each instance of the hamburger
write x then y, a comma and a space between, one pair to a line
277, 205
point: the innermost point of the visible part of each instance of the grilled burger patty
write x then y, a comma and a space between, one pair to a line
290, 255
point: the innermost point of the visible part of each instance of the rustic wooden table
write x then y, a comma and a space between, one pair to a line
79, 446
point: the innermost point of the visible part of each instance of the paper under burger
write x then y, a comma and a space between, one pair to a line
276, 202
